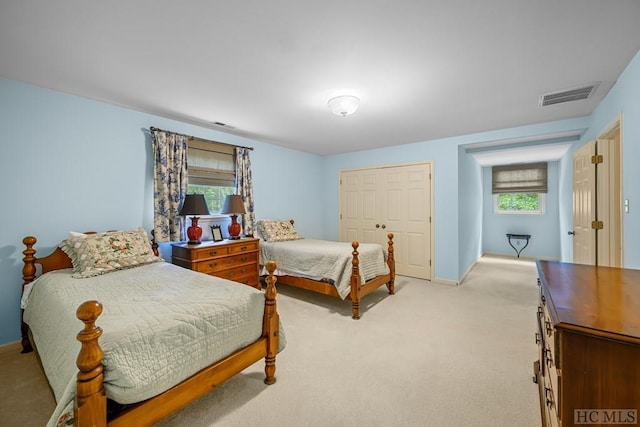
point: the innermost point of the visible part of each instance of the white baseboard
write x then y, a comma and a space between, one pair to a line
522, 257
445, 282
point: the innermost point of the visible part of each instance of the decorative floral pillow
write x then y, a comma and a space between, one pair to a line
95, 254
277, 231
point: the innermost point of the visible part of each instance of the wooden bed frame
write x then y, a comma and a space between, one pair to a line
358, 289
90, 407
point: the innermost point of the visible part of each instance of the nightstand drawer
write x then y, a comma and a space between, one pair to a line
225, 263
244, 274
200, 254
236, 260
243, 247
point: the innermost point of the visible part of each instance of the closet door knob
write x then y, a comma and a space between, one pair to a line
384, 226
377, 225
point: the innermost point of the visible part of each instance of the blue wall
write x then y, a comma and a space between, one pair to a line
544, 228
456, 176
623, 98
69, 163
470, 196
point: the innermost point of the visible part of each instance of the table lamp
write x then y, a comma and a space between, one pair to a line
194, 205
234, 206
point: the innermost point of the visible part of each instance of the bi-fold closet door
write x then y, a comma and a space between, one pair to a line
391, 199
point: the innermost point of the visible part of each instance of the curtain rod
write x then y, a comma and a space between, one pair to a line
152, 128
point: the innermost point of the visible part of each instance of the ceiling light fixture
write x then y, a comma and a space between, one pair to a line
344, 105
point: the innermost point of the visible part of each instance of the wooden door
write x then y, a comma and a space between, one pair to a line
396, 199
584, 205
609, 201
597, 202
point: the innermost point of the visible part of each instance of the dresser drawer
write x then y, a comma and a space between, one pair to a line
200, 253
243, 247
236, 260
246, 274
215, 265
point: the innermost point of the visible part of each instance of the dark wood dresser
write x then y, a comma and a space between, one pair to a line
588, 365
236, 260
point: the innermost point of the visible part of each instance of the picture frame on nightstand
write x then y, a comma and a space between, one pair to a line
216, 232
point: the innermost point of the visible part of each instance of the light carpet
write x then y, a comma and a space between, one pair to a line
431, 355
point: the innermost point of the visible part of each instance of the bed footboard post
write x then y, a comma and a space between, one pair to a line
271, 325
356, 282
391, 262
28, 274
90, 407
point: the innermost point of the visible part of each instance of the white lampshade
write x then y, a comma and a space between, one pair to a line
344, 105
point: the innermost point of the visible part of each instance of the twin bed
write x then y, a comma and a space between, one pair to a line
170, 334
348, 271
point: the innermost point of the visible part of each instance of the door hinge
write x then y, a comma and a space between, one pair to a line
429, 263
597, 225
597, 159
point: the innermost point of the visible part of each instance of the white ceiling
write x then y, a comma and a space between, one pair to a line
423, 69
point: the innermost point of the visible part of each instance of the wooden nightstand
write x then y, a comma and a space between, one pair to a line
236, 260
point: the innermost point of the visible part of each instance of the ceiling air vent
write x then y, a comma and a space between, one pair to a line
224, 125
568, 95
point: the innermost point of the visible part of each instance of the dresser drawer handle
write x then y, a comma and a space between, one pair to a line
548, 394
244, 258
547, 326
243, 248
213, 253
538, 338
213, 264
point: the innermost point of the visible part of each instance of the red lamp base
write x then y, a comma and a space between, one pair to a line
194, 233
234, 228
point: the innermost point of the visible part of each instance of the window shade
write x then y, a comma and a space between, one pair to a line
210, 163
531, 178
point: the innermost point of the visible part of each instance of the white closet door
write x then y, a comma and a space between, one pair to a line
396, 199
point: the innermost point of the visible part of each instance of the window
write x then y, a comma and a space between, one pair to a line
519, 189
519, 203
212, 171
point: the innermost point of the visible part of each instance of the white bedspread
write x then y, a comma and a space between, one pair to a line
325, 260
162, 323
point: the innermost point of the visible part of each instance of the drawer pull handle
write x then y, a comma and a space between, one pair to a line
243, 248
539, 311
213, 253
537, 338
547, 326
244, 258
213, 265
548, 396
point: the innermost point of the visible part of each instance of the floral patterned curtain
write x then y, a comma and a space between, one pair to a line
244, 187
169, 184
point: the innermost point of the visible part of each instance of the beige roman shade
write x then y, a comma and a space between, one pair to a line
211, 163
529, 178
